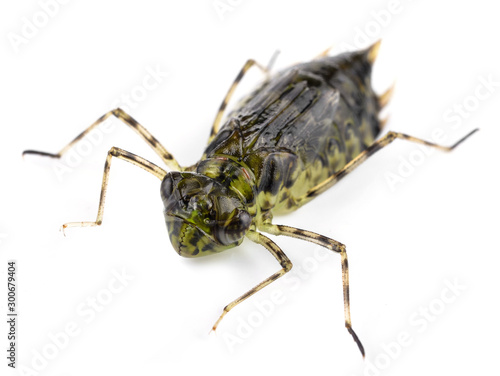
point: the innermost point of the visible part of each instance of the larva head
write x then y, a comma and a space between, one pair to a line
202, 216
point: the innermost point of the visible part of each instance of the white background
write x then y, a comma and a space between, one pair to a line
439, 225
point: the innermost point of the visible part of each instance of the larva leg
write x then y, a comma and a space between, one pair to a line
332, 245
372, 149
276, 251
220, 113
129, 157
132, 123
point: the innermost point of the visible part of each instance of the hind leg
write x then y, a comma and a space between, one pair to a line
367, 153
218, 118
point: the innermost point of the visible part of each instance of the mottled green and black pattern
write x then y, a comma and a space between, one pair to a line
300, 127
295, 136
202, 215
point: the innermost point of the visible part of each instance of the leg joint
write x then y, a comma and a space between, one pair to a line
391, 135
114, 151
118, 112
287, 266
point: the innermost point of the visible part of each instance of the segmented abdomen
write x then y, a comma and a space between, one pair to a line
302, 126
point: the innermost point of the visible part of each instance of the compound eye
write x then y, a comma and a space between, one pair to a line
234, 229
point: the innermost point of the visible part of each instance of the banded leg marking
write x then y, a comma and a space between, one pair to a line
372, 149
276, 251
129, 157
332, 245
220, 113
132, 123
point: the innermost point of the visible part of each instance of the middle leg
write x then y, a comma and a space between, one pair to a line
132, 123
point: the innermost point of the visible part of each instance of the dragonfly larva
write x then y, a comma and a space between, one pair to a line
296, 135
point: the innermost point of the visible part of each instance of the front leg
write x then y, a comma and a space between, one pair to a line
332, 245
126, 156
276, 251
